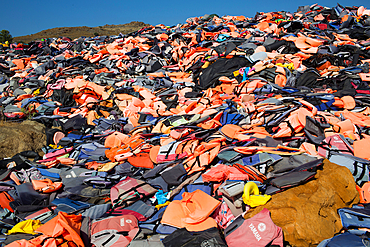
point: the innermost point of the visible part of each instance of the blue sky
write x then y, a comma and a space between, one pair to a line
23, 17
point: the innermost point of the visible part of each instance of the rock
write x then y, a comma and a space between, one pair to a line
18, 137
308, 213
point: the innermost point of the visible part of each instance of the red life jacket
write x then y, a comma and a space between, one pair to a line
258, 231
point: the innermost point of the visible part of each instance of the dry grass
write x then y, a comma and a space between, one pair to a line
76, 32
7, 123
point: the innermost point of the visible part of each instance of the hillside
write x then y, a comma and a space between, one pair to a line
75, 32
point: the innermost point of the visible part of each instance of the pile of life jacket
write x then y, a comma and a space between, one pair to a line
167, 136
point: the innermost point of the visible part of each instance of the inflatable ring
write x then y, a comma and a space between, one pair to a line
250, 188
251, 195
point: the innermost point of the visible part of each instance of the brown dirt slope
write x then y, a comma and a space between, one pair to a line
75, 32
19, 137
